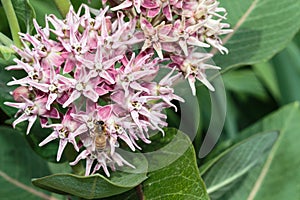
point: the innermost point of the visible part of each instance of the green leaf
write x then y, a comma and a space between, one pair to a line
261, 29
18, 164
229, 167
94, 4
25, 13
266, 73
129, 195
96, 186
5, 52
244, 82
4, 28
42, 8
277, 177
287, 69
37, 135
178, 180
5, 40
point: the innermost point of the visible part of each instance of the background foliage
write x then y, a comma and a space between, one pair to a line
261, 75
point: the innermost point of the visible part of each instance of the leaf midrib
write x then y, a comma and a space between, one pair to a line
237, 25
229, 180
270, 158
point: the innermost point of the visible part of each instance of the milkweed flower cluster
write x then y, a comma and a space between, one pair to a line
88, 83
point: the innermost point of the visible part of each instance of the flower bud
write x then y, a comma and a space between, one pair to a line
20, 93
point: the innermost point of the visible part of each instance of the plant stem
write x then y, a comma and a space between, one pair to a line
63, 6
139, 192
71, 154
12, 21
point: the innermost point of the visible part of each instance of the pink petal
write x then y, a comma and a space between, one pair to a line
165, 29
15, 105
52, 113
167, 12
126, 139
91, 94
150, 4
118, 97
137, 86
104, 74
158, 49
48, 139
51, 99
82, 155
147, 26
81, 129
196, 42
153, 12
75, 95
61, 147
192, 85
125, 4
88, 166
105, 112
23, 81
22, 118
69, 65
183, 45
31, 121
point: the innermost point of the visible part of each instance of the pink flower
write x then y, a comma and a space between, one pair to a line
156, 36
193, 67
127, 4
154, 7
101, 66
83, 85
111, 86
31, 110
164, 89
186, 36
102, 158
21, 93
135, 71
66, 131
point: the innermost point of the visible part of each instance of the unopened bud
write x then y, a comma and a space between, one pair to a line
20, 93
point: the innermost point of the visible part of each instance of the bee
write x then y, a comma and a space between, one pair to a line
100, 136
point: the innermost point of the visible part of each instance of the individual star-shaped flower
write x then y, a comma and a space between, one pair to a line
83, 85
156, 36
193, 67
31, 109
66, 132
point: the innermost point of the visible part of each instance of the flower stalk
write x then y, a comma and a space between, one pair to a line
12, 21
63, 6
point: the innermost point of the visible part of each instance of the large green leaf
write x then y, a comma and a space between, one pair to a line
5, 50
178, 180
18, 164
42, 8
96, 186
244, 82
176, 175
261, 29
38, 134
287, 69
25, 13
277, 177
229, 167
266, 74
